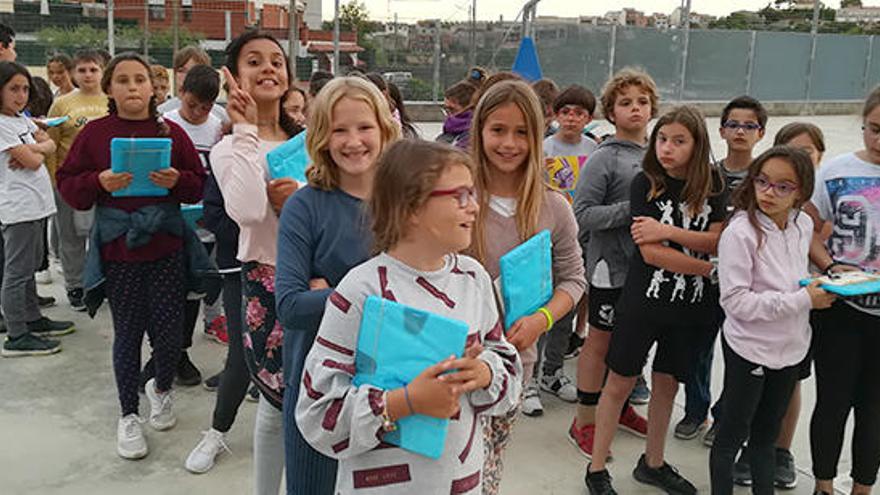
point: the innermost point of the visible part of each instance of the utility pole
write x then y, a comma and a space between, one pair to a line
435, 91
529, 12
473, 54
175, 5
814, 35
292, 37
336, 37
395, 40
111, 31
147, 29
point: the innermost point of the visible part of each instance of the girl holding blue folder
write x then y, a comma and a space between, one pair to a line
324, 233
145, 285
515, 204
424, 207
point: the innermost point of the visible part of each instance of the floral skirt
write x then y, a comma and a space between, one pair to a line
262, 334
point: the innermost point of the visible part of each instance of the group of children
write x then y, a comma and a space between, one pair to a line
669, 248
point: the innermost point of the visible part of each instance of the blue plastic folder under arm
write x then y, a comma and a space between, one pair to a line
527, 277
140, 156
395, 344
289, 161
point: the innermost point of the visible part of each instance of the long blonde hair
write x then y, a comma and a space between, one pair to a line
532, 187
323, 173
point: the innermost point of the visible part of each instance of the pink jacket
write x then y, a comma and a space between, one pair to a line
767, 311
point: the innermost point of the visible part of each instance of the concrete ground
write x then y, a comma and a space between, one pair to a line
58, 418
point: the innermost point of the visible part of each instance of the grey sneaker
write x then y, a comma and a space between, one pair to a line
130, 441
640, 394
559, 385
742, 470
161, 416
531, 404
709, 437
689, 428
44, 327
29, 345
786, 474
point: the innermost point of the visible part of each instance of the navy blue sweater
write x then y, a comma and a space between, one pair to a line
321, 234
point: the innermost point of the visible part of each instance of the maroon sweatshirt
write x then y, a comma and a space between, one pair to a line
89, 155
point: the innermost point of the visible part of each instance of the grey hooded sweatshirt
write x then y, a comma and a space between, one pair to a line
601, 206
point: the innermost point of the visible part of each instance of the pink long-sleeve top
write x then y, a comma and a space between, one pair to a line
239, 164
767, 310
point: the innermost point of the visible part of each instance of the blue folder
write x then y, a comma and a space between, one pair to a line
395, 344
140, 156
850, 290
526, 277
289, 161
192, 214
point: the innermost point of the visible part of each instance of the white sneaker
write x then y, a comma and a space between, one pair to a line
201, 459
44, 277
161, 415
531, 405
130, 442
559, 385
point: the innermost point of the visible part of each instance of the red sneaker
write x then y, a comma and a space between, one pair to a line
582, 438
632, 422
216, 330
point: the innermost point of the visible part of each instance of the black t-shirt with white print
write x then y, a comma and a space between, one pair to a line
664, 292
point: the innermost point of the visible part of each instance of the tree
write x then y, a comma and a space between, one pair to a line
844, 4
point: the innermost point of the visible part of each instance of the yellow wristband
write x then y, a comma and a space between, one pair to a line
546, 312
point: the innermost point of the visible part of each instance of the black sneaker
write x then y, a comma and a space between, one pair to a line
640, 394
45, 302
575, 342
212, 383
44, 327
689, 428
665, 477
75, 297
253, 394
709, 437
786, 475
599, 483
187, 373
742, 470
29, 345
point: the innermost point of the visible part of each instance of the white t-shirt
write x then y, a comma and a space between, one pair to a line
847, 193
204, 136
553, 146
174, 103
25, 195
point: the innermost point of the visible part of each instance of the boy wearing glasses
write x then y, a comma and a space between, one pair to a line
743, 123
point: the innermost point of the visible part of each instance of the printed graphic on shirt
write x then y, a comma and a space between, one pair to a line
563, 173
684, 288
856, 203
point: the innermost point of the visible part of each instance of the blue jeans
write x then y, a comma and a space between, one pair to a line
698, 395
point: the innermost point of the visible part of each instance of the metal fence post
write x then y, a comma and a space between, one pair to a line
147, 29
612, 51
111, 31
435, 89
750, 63
684, 60
866, 80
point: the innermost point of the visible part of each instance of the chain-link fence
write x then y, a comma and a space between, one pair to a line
687, 65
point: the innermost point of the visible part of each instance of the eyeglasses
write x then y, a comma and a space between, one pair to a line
781, 189
463, 194
733, 125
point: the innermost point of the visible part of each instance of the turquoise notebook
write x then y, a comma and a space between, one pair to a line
527, 277
140, 156
395, 344
848, 284
289, 161
192, 214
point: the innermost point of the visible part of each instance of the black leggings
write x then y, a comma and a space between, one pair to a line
846, 350
755, 401
235, 377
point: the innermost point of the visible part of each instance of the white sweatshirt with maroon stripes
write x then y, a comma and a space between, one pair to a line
345, 422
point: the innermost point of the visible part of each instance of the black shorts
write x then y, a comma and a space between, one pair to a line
602, 304
637, 330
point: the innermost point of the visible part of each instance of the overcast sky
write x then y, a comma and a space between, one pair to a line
457, 10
